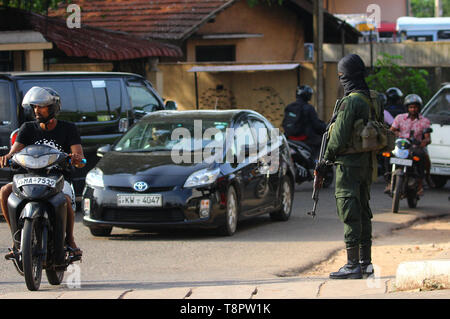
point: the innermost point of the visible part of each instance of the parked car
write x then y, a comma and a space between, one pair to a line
164, 172
437, 110
102, 105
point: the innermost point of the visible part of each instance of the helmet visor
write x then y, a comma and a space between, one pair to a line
37, 96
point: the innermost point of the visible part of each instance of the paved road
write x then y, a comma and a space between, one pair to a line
260, 250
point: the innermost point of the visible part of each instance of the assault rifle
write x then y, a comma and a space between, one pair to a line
319, 176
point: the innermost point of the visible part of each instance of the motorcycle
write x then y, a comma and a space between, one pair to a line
38, 214
404, 172
305, 163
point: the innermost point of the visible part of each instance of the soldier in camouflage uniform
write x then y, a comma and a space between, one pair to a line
354, 171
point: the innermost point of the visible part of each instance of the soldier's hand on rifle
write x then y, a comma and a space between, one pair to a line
321, 167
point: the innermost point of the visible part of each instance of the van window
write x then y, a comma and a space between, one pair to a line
141, 97
114, 95
438, 111
98, 99
5, 105
63, 87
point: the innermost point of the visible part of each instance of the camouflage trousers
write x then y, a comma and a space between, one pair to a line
352, 201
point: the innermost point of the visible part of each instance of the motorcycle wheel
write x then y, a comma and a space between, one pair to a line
54, 277
33, 255
398, 184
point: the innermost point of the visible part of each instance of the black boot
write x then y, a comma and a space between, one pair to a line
352, 270
365, 259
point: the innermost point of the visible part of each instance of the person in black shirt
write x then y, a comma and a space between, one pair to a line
301, 123
59, 134
394, 104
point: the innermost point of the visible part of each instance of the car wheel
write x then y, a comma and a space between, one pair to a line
100, 231
232, 213
439, 181
287, 198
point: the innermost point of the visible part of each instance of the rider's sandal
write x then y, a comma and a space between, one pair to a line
75, 253
10, 255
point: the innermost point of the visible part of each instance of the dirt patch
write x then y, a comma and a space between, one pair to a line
424, 240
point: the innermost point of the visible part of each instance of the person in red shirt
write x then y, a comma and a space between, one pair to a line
413, 122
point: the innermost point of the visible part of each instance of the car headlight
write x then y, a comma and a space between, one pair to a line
202, 177
35, 162
95, 178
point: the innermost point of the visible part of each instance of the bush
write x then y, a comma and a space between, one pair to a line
389, 74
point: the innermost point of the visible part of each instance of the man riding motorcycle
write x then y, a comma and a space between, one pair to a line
394, 102
301, 123
47, 130
405, 124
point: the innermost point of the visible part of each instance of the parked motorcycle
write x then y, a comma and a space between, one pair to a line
404, 172
38, 214
305, 162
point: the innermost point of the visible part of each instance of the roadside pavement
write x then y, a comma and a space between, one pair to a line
412, 262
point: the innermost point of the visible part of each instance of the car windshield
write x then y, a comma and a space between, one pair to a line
185, 134
438, 111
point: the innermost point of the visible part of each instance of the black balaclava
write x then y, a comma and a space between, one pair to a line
353, 70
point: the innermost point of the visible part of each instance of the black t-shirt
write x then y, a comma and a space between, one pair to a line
62, 137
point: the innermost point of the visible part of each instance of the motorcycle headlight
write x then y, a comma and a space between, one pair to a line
35, 162
400, 153
95, 178
202, 177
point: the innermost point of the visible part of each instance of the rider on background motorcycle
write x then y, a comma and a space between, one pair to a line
405, 124
301, 123
47, 130
394, 102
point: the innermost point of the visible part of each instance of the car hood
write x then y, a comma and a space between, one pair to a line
123, 168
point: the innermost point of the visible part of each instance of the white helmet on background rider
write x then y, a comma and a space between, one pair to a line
43, 97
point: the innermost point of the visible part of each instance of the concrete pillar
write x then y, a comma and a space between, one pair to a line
34, 60
155, 76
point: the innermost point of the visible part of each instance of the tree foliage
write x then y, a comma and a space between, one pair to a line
389, 74
425, 8
39, 6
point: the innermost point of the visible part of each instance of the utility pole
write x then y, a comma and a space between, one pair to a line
437, 8
318, 57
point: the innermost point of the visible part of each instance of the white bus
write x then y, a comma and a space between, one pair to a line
424, 29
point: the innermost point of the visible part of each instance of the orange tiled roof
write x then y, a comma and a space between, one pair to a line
87, 41
157, 19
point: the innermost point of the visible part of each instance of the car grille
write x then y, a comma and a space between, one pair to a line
141, 215
148, 190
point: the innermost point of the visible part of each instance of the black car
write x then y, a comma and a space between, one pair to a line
199, 168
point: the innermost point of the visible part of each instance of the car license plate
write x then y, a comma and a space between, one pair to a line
401, 161
144, 200
36, 181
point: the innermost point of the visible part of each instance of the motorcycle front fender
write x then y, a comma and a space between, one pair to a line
33, 210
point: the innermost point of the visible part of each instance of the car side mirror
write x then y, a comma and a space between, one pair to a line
171, 105
102, 150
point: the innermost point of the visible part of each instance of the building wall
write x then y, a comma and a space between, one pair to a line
282, 32
390, 9
265, 92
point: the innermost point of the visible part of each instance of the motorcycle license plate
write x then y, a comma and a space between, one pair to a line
36, 181
401, 161
144, 200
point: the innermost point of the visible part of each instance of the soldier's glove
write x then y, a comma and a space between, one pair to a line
322, 167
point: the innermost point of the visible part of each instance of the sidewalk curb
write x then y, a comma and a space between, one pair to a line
423, 274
